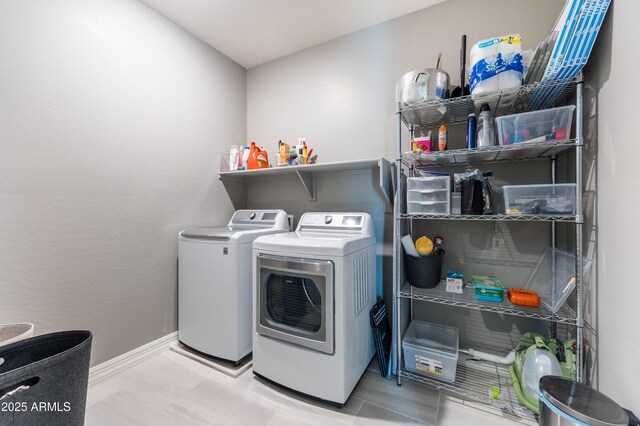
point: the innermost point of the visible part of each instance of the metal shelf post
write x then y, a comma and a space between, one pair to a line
579, 221
396, 245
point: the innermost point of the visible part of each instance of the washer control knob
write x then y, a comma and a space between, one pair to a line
252, 215
328, 219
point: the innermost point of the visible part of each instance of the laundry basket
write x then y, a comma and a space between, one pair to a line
43, 380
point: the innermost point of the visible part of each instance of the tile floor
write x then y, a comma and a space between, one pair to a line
170, 389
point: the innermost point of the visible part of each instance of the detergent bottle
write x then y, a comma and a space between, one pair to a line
257, 158
262, 159
252, 162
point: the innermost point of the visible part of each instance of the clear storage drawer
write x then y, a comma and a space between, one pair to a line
429, 195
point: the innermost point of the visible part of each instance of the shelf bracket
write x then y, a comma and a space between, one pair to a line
308, 181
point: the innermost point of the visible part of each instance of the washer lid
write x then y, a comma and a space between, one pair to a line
244, 227
582, 402
222, 233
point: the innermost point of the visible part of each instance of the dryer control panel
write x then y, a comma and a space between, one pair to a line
332, 222
258, 218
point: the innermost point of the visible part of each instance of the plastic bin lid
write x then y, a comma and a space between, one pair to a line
582, 402
432, 336
554, 277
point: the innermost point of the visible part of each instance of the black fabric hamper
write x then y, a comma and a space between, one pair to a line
55, 366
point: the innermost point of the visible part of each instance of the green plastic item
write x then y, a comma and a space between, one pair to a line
489, 289
563, 351
494, 392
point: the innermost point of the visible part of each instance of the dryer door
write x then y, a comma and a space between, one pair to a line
295, 301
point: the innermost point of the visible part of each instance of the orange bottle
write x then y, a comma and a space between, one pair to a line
251, 161
262, 158
257, 158
442, 137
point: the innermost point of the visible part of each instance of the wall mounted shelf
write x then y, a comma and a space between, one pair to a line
306, 175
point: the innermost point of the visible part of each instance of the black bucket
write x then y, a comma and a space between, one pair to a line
424, 271
53, 371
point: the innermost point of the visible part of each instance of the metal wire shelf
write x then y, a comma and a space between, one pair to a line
494, 217
489, 154
474, 378
456, 110
472, 382
565, 315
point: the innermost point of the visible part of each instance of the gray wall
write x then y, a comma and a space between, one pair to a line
341, 96
111, 123
611, 129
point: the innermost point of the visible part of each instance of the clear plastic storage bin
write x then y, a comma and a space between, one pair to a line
431, 350
555, 277
535, 126
548, 199
429, 195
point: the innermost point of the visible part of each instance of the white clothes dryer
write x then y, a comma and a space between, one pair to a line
214, 282
313, 290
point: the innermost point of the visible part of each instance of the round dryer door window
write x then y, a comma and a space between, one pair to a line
294, 302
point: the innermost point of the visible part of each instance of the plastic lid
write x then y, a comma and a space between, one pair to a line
432, 336
485, 107
424, 246
582, 402
554, 277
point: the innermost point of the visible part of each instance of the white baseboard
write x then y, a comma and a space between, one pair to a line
105, 370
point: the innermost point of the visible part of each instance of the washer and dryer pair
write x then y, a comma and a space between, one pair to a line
312, 293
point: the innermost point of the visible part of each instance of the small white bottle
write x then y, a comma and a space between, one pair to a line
233, 157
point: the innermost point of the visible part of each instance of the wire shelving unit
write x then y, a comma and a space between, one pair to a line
473, 378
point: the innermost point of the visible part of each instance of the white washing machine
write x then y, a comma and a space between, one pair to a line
214, 282
314, 289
